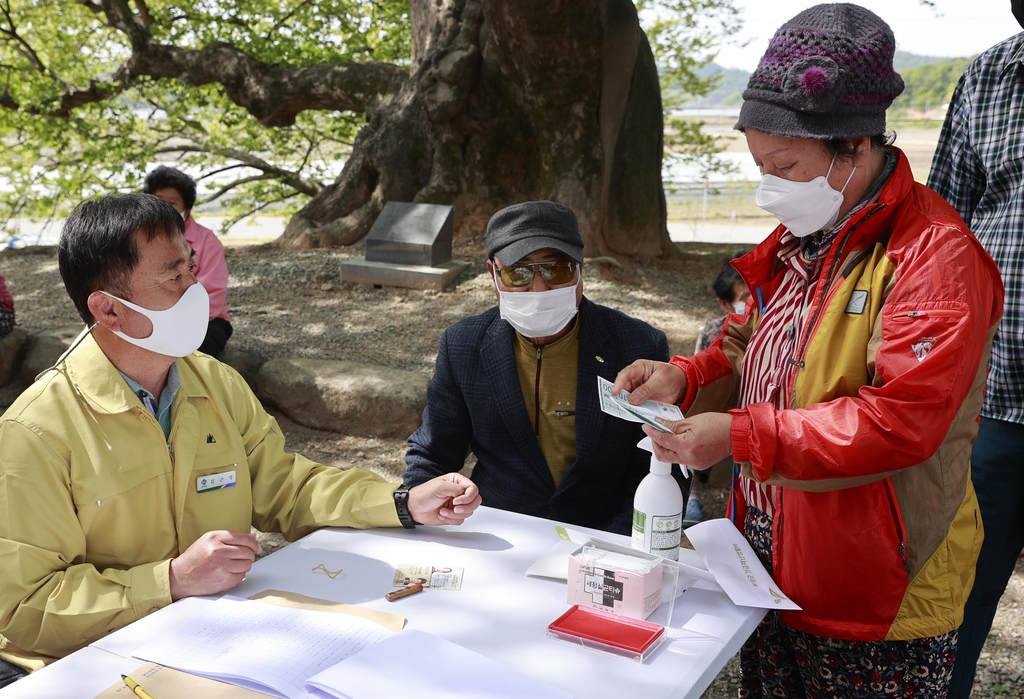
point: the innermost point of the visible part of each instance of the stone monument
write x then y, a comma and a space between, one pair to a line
409, 245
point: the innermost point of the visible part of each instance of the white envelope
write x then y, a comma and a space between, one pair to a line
736, 567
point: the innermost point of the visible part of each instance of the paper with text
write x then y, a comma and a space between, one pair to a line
162, 681
262, 646
728, 555
417, 664
391, 622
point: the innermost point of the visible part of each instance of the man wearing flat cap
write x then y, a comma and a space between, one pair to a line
517, 385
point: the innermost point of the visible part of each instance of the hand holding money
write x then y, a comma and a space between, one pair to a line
647, 380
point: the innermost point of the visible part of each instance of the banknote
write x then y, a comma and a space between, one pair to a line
647, 412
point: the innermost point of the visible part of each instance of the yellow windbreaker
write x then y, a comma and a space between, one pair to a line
94, 502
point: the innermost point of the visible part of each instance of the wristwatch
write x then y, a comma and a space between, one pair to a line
402, 507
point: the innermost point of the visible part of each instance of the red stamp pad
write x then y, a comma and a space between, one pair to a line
605, 628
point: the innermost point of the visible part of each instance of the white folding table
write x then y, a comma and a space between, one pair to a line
499, 612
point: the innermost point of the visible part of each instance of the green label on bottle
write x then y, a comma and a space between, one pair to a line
639, 521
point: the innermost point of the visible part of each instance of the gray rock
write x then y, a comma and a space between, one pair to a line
44, 350
245, 363
346, 397
13, 348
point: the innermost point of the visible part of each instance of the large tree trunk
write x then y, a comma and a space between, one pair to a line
505, 102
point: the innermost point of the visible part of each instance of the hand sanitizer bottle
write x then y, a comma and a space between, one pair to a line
657, 509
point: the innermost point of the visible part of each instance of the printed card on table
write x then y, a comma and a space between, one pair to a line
434, 577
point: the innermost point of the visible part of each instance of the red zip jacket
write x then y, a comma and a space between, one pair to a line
876, 529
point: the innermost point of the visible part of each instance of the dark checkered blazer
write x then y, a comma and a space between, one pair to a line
474, 402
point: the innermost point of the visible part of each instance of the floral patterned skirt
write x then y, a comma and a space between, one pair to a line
6, 321
778, 661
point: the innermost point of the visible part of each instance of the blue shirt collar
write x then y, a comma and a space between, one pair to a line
160, 409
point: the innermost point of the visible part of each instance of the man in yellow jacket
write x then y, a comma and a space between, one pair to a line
131, 471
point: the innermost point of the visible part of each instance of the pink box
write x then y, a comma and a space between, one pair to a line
616, 582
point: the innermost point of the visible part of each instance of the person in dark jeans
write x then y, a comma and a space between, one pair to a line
973, 172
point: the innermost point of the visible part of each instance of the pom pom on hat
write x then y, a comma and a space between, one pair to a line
814, 81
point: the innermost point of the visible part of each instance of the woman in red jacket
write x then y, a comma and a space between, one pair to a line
855, 377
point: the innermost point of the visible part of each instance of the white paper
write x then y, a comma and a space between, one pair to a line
555, 563
736, 567
417, 664
261, 646
705, 625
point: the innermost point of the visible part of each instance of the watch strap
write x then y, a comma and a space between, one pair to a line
402, 507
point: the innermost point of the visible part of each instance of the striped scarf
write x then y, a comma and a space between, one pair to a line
768, 361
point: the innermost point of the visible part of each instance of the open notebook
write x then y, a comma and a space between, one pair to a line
298, 653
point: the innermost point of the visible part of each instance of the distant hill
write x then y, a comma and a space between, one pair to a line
928, 79
930, 86
904, 60
733, 82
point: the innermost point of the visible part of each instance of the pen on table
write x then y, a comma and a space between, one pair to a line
404, 592
136, 687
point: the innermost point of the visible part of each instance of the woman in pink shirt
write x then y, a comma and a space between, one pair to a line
179, 190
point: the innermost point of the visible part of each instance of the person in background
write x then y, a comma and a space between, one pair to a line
977, 168
517, 385
6, 309
179, 190
732, 294
132, 470
855, 379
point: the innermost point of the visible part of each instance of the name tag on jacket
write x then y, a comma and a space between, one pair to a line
215, 481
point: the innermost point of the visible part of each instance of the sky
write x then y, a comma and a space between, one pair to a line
952, 28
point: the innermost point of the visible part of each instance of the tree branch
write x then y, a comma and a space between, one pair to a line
69, 101
218, 171
21, 46
144, 14
275, 96
255, 210
94, 7
237, 183
281, 22
287, 177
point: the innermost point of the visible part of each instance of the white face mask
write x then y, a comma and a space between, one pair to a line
538, 313
802, 207
740, 307
177, 331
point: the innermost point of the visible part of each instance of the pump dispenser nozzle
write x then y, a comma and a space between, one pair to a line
660, 467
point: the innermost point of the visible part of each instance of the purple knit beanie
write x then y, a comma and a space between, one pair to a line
827, 74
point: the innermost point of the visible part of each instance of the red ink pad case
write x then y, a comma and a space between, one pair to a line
608, 632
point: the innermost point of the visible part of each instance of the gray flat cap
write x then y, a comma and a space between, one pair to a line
521, 229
